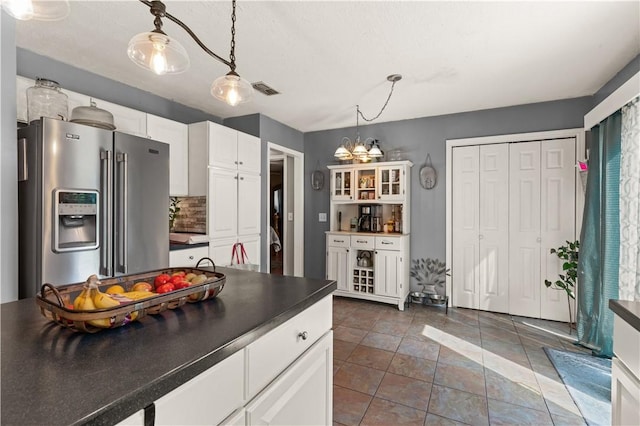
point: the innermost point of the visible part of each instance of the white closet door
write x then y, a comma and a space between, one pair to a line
464, 271
524, 229
557, 219
493, 238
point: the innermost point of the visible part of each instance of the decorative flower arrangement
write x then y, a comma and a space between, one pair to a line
429, 273
174, 209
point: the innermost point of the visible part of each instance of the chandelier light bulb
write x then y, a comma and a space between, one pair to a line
39, 10
158, 60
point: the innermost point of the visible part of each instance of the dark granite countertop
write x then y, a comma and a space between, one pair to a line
627, 310
178, 246
51, 375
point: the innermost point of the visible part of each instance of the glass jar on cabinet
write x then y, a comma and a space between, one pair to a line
45, 99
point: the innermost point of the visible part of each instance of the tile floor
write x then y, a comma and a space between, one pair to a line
422, 367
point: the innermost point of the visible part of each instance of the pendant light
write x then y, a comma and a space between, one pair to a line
155, 50
358, 150
40, 10
159, 53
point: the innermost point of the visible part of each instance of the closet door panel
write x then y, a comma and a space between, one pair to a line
493, 238
465, 202
524, 229
557, 225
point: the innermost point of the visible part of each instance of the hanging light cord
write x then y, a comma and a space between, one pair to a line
231, 64
394, 79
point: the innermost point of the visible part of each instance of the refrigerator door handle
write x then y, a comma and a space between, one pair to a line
107, 213
121, 158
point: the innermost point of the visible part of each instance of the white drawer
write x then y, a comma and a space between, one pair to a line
388, 243
275, 351
207, 398
626, 344
188, 257
337, 240
362, 242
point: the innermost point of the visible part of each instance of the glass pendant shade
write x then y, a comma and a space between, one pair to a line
342, 153
360, 150
158, 52
41, 10
232, 89
375, 152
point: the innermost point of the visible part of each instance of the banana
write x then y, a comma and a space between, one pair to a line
138, 295
85, 301
103, 300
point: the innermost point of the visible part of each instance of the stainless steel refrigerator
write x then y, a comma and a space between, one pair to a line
90, 201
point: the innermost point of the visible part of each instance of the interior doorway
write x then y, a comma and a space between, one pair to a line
285, 221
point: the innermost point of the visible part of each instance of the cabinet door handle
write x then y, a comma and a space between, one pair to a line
241, 163
235, 162
235, 177
190, 257
241, 178
303, 335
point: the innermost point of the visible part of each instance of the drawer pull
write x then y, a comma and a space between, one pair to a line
338, 241
386, 242
361, 242
303, 335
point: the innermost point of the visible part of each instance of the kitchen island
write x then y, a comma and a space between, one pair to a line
51, 375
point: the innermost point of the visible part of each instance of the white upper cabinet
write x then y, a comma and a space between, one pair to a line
22, 84
126, 120
223, 146
248, 153
177, 136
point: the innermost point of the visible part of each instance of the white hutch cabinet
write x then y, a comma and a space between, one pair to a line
370, 265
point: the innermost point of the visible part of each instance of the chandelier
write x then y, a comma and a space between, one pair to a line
370, 148
156, 51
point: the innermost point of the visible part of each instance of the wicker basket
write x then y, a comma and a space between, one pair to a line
53, 300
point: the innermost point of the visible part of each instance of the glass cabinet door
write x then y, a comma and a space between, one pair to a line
390, 183
342, 185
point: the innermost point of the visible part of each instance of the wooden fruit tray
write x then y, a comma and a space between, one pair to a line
53, 300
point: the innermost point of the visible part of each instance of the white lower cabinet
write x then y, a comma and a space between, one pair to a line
625, 374
302, 394
207, 398
385, 280
136, 419
285, 377
188, 257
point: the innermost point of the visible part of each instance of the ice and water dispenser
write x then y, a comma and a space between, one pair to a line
76, 223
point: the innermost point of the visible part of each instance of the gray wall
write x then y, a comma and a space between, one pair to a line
32, 65
269, 130
618, 80
8, 163
416, 138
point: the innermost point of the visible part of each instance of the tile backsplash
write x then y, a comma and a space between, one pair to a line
192, 216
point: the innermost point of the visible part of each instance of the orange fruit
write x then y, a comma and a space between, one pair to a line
115, 289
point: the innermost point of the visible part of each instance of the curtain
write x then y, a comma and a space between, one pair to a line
598, 263
630, 203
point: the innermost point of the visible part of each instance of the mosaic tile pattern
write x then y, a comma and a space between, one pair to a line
423, 367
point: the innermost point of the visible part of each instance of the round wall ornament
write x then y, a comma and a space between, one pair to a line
317, 178
428, 175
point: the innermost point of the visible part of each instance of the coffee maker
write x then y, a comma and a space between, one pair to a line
369, 218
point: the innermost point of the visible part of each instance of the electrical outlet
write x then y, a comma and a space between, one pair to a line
290, 217
322, 217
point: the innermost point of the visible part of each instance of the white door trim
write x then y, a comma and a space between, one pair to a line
578, 133
298, 208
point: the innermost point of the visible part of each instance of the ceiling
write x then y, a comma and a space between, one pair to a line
327, 57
